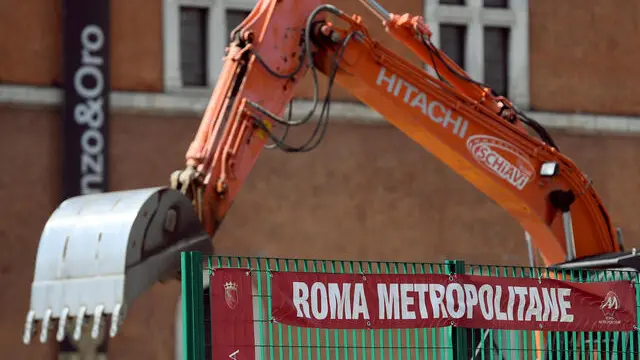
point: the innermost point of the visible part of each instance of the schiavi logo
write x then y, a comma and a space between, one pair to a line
610, 304
231, 294
501, 158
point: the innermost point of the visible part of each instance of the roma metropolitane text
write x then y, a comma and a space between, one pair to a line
407, 301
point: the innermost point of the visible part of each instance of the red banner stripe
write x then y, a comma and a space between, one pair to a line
352, 301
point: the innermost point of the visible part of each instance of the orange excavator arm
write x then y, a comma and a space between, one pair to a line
99, 252
478, 134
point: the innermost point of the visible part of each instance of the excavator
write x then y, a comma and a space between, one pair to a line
99, 252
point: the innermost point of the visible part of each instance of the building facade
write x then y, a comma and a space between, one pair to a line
367, 192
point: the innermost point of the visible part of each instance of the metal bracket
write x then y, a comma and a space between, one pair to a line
568, 235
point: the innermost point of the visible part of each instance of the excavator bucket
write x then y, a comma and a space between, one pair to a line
99, 252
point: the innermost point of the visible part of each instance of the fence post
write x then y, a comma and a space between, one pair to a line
192, 306
458, 335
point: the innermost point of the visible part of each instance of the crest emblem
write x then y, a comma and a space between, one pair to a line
610, 304
231, 294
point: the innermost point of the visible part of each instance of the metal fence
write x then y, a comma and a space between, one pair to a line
277, 341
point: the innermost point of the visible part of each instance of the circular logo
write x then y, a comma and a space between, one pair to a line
501, 158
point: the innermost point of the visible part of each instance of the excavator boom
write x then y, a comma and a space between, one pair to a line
476, 133
479, 134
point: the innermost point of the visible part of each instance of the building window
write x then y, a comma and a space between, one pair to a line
193, 43
196, 33
496, 3
452, 42
234, 17
488, 38
496, 62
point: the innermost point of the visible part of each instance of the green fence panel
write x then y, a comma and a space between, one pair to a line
530, 345
192, 306
278, 341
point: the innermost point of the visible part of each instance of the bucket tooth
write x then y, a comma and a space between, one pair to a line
99, 252
62, 323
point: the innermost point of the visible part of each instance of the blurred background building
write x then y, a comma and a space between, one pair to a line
367, 192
